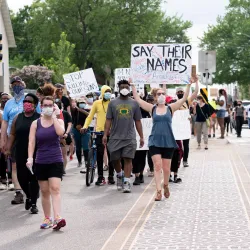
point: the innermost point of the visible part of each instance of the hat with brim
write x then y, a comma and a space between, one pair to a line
16, 79
179, 89
59, 86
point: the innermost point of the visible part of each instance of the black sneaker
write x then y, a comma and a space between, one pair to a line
27, 204
141, 178
18, 199
185, 164
100, 181
209, 136
137, 181
213, 135
111, 180
177, 180
34, 209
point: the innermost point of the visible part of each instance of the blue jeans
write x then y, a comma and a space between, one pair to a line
221, 113
81, 142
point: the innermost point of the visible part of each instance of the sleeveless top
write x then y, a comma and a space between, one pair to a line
22, 131
162, 134
48, 145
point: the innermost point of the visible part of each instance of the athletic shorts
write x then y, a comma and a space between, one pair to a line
127, 151
166, 153
45, 171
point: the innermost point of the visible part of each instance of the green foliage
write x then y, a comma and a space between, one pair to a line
230, 38
102, 30
60, 62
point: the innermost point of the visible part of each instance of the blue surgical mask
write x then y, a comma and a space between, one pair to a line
90, 100
107, 96
82, 105
17, 89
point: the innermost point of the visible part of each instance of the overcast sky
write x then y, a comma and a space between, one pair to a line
200, 12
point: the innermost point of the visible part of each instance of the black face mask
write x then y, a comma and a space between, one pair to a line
180, 96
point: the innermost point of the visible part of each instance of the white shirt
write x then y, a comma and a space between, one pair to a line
222, 98
248, 111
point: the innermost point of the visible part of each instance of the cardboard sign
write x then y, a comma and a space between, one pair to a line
147, 124
81, 83
121, 74
181, 125
161, 63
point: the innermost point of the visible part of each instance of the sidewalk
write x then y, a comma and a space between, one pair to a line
209, 210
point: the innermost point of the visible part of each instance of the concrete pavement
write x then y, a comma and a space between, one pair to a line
209, 210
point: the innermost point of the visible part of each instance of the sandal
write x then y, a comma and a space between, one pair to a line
166, 191
158, 196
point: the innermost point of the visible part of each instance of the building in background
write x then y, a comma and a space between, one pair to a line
8, 41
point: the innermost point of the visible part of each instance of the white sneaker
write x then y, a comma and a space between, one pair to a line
151, 174
11, 187
119, 183
2, 186
126, 187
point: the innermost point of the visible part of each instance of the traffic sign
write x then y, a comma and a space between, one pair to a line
207, 78
207, 61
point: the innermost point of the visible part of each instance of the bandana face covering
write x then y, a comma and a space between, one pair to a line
28, 107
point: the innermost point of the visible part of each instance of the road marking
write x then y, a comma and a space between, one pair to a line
105, 246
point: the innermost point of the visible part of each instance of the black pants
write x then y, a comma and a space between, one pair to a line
27, 181
239, 124
227, 123
3, 167
150, 162
139, 162
100, 154
186, 150
175, 161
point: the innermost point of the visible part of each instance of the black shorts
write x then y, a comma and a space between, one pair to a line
166, 153
45, 171
68, 140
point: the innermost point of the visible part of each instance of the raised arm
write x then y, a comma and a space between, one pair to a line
175, 106
196, 91
144, 105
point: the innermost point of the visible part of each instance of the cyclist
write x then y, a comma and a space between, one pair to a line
123, 115
99, 109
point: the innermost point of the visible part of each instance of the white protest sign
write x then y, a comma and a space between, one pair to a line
146, 128
181, 125
161, 63
81, 83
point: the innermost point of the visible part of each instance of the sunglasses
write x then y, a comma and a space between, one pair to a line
28, 101
159, 94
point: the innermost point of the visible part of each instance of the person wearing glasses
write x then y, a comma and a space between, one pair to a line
161, 143
45, 136
19, 134
12, 108
59, 95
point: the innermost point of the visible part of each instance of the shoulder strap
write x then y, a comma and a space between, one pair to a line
202, 111
153, 109
170, 109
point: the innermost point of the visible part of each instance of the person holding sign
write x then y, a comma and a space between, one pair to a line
161, 141
123, 116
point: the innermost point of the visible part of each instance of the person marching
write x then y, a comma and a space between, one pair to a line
161, 141
45, 136
19, 134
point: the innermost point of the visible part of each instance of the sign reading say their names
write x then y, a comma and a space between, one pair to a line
181, 125
81, 83
161, 63
146, 128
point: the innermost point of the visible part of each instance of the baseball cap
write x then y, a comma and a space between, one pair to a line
59, 86
168, 99
179, 89
16, 79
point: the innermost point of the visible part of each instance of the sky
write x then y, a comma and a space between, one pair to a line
200, 12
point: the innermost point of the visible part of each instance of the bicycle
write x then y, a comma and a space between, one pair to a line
92, 159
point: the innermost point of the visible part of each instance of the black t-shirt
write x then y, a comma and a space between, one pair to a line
145, 114
66, 102
67, 118
78, 118
201, 117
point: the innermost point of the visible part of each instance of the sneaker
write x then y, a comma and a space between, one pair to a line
111, 180
209, 136
141, 178
34, 209
100, 181
185, 164
105, 168
79, 165
83, 171
177, 180
151, 174
137, 181
213, 135
11, 187
126, 187
27, 204
170, 178
47, 223
119, 183
59, 223
18, 199
2, 186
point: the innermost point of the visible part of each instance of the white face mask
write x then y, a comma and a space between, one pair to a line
124, 92
48, 111
161, 99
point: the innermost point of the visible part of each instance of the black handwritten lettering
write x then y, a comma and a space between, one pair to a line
136, 49
183, 65
188, 48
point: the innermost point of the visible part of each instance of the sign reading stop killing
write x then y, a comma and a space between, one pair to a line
161, 63
81, 83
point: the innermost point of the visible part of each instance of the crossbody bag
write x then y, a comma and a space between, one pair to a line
207, 119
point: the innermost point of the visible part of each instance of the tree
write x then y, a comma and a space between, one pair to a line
34, 76
60, 63
230, 38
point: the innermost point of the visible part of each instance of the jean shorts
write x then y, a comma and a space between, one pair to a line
221, 113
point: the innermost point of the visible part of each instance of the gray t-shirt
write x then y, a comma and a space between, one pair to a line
239, 111
123, 113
